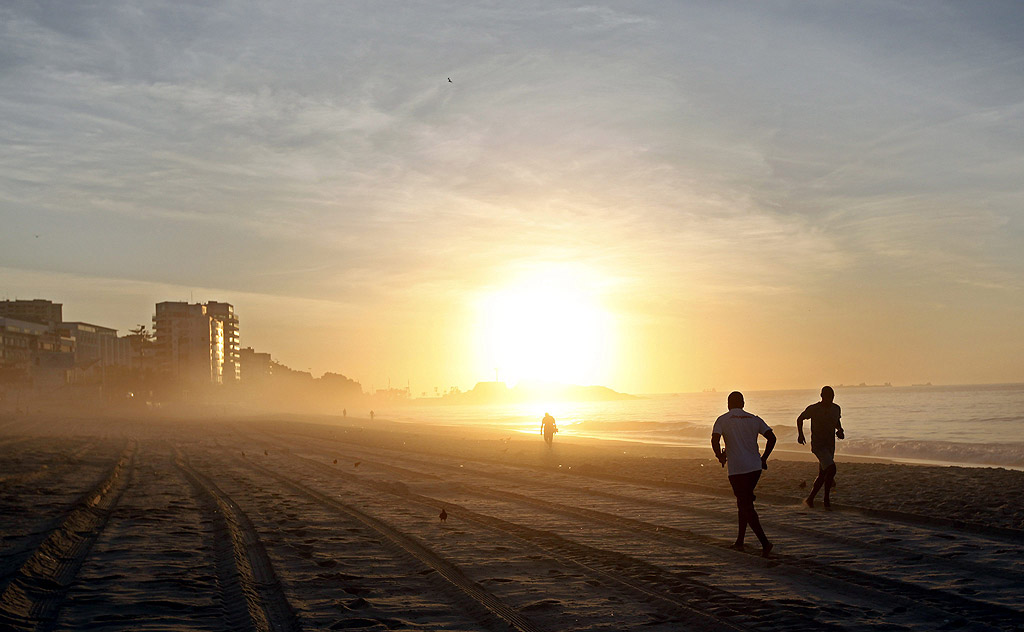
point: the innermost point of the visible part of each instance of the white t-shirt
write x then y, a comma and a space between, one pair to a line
740, 430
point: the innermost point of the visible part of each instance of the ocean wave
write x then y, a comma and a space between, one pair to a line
1001, 454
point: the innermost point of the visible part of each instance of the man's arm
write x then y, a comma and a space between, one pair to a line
770, 436
800, 427
840, 433
716, 445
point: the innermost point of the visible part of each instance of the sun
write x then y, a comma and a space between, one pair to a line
547, 326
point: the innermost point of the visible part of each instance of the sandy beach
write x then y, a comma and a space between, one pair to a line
275, 523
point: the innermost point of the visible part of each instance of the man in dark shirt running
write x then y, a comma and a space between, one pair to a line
825, 428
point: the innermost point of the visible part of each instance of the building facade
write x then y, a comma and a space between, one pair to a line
256, 367
19, 340
97, 345
195, 344
225, 313
31, 351
34, 311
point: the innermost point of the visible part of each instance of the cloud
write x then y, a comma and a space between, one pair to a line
317, 149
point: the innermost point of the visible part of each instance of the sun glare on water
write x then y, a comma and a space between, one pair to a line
547, 327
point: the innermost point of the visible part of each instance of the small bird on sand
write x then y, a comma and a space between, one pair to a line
243, 452
265, 453
335, 461
357, 463
802, 484
443, 515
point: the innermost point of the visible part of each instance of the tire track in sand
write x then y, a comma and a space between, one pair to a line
689, 602
903, 594
492, 610
926, 560
922, 521
251, 593
33, 598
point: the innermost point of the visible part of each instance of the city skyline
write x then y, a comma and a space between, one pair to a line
651, 198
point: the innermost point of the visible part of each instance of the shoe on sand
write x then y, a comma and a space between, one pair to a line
736, 546
766, 549
809, 502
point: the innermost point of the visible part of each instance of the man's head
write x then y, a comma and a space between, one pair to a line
827, 394
735, 400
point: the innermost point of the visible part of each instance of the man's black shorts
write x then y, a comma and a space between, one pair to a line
743, 485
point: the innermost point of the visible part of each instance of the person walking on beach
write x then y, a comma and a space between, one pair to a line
548, 428
740, 430
825, 428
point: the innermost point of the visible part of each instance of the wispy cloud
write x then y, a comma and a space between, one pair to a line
318, 149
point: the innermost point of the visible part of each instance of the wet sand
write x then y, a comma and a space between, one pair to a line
275, 523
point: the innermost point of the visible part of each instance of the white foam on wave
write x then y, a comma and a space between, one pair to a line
948, 452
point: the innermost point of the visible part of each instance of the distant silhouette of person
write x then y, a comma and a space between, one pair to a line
371, 415
740, 430
548, 428
825, 428
344, 412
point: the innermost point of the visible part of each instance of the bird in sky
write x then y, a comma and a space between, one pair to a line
449, 79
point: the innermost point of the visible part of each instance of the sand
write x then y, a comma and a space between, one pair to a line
275, 523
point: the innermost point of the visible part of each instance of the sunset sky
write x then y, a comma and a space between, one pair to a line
651, 196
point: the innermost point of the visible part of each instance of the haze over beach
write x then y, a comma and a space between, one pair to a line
436, 316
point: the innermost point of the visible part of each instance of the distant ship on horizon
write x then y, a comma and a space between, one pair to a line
864, 385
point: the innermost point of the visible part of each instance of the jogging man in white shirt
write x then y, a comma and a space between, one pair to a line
740, 430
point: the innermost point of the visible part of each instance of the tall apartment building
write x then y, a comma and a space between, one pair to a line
34, 311
225, 313
195, 342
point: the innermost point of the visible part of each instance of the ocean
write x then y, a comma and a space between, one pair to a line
975, 425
